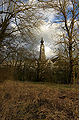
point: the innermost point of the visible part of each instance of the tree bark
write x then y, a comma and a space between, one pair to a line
71, 78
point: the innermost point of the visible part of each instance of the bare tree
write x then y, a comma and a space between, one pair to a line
17, 21
15, 12
67, 12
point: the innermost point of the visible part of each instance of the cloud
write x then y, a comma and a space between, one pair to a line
13, 25
48, 14
48, 30
51, 34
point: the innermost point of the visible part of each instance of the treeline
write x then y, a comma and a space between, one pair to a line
55, 72
19, 23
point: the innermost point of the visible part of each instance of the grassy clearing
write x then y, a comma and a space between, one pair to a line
59, 86
33, 101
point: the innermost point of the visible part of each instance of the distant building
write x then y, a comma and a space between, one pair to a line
29, 69
43, 63
42, 56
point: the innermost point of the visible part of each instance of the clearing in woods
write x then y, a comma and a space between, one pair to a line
29, 101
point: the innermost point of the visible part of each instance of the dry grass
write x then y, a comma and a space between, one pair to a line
28, 101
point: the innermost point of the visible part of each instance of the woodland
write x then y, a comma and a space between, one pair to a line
20, 22
23, 95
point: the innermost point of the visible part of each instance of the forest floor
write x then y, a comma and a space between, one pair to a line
29, 101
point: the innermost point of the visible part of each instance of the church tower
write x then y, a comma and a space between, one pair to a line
41, 63
42, 56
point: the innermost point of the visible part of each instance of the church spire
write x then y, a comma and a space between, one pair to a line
42, 56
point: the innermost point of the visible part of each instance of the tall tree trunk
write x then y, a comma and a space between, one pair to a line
71, 78
78, 70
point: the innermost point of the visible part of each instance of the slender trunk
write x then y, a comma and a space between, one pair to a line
71, 71
37, 70
78, 70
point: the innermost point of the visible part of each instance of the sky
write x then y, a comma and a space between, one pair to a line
48, 30
50, 34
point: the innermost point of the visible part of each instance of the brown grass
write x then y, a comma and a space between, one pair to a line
28, 101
